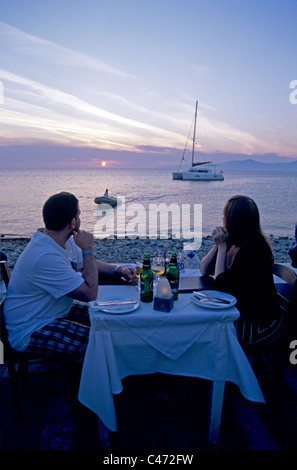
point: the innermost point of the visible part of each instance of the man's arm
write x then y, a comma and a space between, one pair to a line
88, 290
109, 269
123, 271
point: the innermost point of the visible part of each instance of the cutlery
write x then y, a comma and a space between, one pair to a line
206, 298
115, 302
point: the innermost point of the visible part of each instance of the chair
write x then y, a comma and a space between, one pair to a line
287, 296
18, 362
284, 289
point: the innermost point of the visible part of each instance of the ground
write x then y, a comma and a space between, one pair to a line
154, 413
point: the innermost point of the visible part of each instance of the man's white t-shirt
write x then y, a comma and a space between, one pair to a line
37, 292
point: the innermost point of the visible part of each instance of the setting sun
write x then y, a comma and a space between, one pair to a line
103, 163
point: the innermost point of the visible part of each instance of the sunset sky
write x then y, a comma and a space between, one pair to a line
87, 81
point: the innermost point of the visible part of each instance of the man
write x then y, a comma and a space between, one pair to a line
57, 266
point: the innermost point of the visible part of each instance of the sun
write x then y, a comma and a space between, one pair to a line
103, 163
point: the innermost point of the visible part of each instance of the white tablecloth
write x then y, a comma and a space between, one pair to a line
190, 341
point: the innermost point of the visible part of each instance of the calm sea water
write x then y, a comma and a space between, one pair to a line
23, 192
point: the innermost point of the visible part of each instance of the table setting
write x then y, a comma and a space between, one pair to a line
157, 328
195, 338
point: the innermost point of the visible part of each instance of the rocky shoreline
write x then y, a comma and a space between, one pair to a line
129, 251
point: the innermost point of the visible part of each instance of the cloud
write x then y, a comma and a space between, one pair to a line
62, 116
152, 149
35, 112
34, 45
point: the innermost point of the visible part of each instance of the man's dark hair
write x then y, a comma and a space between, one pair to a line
59, 210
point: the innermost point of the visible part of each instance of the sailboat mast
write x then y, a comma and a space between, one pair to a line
194, 135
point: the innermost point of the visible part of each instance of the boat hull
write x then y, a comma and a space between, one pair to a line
106, 200
187, 176
177, 175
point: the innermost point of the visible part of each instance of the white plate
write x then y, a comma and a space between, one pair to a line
213, 303
117, 309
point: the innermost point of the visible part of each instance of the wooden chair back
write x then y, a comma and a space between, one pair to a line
287, 293
285, 273
285, 289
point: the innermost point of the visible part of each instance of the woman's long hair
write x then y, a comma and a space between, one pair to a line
242, 219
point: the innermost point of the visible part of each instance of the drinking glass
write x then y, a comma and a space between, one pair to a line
138, 268
167, 258
158, 266
138, 271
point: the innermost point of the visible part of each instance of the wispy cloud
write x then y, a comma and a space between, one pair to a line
63, 116
38, 113
34, 45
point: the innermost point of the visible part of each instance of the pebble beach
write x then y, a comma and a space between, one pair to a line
129, 251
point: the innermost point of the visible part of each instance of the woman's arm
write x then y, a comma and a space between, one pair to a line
215, 260
220, 237
208, 262
221, 259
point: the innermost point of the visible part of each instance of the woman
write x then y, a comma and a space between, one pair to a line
242, 263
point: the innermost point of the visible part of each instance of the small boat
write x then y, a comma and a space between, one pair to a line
201, 173
112, 201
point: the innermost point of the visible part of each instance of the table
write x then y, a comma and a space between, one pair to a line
189, 341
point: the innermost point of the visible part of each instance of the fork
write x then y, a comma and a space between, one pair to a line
115, 303
206, 298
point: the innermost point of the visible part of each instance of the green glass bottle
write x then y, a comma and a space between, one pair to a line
172, 275
146, 280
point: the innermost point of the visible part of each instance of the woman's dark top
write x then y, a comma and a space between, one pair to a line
250, 280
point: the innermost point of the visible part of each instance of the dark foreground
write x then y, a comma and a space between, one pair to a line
155, 413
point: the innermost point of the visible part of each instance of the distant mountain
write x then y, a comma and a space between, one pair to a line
254, 165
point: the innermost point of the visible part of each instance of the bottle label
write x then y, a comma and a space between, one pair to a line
174, 285
146, 285
146, 288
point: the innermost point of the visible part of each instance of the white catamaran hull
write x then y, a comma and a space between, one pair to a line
198, 176
202, 176
176, 175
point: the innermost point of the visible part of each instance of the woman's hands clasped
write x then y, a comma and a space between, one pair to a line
220, 235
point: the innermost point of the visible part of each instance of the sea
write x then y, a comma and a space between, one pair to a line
152, 204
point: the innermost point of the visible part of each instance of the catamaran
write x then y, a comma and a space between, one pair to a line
199, 171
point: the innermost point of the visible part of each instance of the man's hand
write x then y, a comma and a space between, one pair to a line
129, 274
84, 240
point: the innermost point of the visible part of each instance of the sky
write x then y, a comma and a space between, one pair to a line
85, 83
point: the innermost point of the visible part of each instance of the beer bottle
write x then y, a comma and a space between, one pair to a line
172, 275
146, 280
